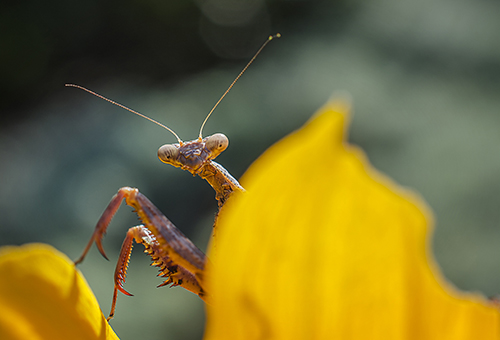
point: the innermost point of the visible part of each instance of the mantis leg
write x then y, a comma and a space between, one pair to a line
175, 274
177, 257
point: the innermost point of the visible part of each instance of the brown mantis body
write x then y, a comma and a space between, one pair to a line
177, 258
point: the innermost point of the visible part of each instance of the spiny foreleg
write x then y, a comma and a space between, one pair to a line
178, 258
176, 275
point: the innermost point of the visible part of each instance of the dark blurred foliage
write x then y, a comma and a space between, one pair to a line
43, 44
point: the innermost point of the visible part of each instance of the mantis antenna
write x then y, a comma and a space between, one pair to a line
271, 37
126, 108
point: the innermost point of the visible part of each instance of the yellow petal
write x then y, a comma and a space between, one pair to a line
42, 296
321, 246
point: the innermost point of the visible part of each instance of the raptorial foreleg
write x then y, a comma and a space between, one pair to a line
176, 275
177, 257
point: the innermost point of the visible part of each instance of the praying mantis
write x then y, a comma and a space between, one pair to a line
178, 259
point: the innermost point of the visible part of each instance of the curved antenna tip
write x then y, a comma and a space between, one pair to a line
271, 37
126, 108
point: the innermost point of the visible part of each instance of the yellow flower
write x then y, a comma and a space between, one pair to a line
42, 296
321, 246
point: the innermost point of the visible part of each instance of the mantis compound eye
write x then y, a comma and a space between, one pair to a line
168, 153
216, 143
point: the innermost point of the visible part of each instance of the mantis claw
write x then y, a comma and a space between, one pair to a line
98, 243
121, 289
102, 226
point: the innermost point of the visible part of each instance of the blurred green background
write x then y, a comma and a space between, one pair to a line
424, 77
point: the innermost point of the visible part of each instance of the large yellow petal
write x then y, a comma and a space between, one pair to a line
43, 296
321, 246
